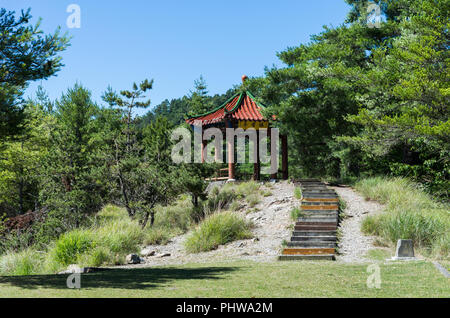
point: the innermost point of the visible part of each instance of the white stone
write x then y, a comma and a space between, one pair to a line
148, 251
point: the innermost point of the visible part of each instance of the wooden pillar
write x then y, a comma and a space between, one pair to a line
284, 156
257, 164
204, 145
273, 176
230, 150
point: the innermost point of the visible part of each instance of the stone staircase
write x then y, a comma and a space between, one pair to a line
314, 236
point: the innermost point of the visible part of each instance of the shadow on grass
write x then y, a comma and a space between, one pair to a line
139, 278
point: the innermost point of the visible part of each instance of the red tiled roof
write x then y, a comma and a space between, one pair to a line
241, 106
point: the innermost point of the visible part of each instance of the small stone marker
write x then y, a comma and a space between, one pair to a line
405, 250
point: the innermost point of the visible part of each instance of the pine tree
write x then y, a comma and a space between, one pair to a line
68, 188
138, 165
26, 55
199, 102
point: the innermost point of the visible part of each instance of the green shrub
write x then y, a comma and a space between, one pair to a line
14, 241
342, 205
296, 213
218, 229
110, 213
120, 235
49, 230
112, 236
422, 229
96, 257
71, 245
410, 214
253, 199
266, 193
235, 205
370, 225
224, 198
109, 238
159, 235
441, 246
178, 216
298, 193
245, 189
26, 262
219, 199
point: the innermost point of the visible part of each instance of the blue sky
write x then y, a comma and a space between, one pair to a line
174, 42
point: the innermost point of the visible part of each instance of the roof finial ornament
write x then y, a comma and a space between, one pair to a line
244, 78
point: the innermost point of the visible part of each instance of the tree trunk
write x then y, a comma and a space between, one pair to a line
195, 200
146, 217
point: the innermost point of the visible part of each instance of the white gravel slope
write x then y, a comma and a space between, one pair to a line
272, 226
354, 245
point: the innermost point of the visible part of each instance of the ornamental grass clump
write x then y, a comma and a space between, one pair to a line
218, 229
410, 213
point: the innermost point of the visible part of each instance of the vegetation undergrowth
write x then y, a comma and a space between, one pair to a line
111, 234
222, 226
218, 229
410, 213
298, 193
296, 213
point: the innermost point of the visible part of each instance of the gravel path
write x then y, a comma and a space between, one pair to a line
272, 226
353, 245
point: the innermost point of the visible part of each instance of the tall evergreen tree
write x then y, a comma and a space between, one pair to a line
366, 99
137, 165
68, 188
199, 102
26, 55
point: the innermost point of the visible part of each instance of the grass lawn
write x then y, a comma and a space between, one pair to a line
240, 279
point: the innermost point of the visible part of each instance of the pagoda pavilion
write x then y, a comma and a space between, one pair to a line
240, 111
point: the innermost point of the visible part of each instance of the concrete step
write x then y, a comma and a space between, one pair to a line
319, 207
311, 244
316, 219
322, 257
327, 214
318, 212
325, 203
316, 222
320, 220
313, 186
314, 238
310, 190
314, 233
320, 200
315, 227
308, 194
308, 180
308, 251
